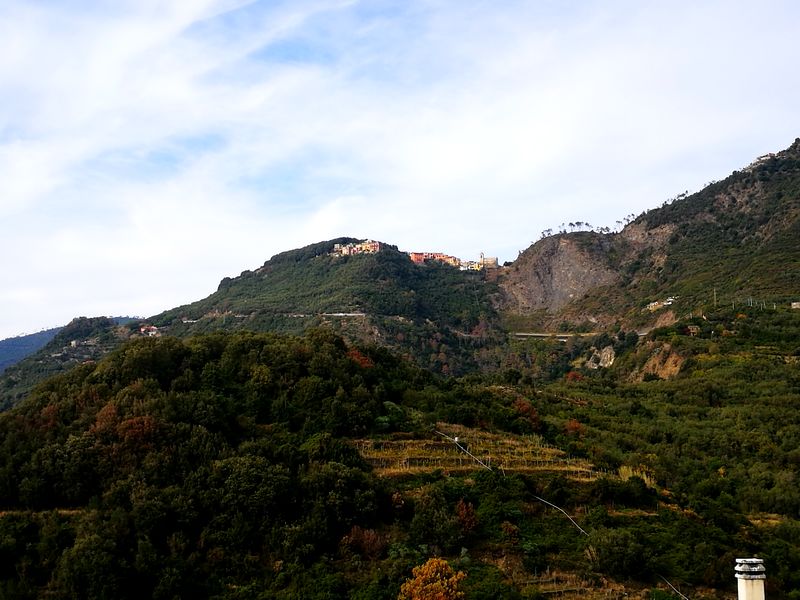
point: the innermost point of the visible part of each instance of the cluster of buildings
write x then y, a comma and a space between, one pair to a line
485, 262
371, 247
363, 247
420, 257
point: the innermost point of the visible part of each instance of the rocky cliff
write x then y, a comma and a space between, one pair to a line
734, 241
556, 271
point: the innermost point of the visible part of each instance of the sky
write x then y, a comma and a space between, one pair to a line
150, 148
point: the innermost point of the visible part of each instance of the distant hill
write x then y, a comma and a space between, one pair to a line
433, 314
13, 350
733, 242
81, 340
438, 315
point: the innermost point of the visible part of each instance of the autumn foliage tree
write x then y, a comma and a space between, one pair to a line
465, 512
434, 580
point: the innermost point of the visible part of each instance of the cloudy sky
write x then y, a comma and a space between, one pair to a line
150, 148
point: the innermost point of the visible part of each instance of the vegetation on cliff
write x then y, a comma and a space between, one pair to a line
731, 243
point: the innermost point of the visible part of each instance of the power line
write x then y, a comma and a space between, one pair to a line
558, 508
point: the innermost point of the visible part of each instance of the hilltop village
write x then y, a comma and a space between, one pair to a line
371, 247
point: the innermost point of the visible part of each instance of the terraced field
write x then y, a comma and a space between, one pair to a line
455, 448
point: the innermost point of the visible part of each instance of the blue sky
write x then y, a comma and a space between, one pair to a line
148, 149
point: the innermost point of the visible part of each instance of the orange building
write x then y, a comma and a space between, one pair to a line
421, 257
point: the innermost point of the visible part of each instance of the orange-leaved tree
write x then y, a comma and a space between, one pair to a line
434, 580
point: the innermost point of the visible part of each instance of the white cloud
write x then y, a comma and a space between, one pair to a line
147, 149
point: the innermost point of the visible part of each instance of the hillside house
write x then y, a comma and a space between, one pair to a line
149, 330
653, 306
658, 304
470, 265
796, 305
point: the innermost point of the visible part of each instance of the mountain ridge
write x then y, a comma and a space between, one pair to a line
736, 236
189, 456
731, 242
14, 349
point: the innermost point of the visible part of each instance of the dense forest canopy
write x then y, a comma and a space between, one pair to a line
229, 466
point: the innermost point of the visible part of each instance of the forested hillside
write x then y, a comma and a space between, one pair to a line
437, 315
81, 340
257, 465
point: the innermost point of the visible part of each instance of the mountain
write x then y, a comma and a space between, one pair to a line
188, 456
82, 340
13, 350
735, 241
434, 313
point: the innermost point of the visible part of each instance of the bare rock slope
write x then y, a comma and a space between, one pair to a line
736, 239
557, 270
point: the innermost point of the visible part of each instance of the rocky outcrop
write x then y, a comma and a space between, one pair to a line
663, 362
556, 271
728, 237
601, 359
640, 236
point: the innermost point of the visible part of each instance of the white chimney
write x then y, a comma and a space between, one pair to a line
751, 575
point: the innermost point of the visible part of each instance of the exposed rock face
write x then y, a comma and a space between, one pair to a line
665, 319
602, 358
663, 362
736, 236
639, 235
555, 271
